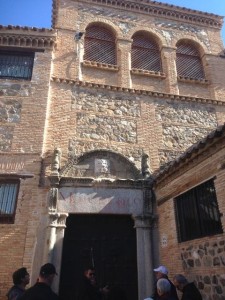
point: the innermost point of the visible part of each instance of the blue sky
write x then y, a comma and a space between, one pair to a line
37, 13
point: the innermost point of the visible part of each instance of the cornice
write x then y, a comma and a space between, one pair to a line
26, 29
153, 94
15, 36
153, 8
102, 182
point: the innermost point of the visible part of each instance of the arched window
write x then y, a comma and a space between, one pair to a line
145, 53
99, 45
188, 61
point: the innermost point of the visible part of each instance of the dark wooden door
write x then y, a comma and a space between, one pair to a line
108, 242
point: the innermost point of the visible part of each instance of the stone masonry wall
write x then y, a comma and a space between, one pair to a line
208, 254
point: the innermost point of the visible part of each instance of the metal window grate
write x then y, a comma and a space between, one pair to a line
99, 45
197, 212
189, 62
145, 54
16, 65
8, 197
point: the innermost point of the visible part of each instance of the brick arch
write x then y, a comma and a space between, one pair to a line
156, 36
193, 41
106, 23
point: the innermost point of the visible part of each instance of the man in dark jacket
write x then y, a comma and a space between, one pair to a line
42, 289
189, 290
20, 279
88, 289
162, 272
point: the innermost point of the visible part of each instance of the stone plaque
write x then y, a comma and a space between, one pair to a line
100, 200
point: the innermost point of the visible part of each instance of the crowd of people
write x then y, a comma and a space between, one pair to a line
167, 290
89, 290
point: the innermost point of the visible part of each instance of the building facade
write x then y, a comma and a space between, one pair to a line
91, 110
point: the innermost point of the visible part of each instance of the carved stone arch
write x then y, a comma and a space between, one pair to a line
101, 163
108, 24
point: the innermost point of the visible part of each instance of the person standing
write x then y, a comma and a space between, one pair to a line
189, 290
42, 288
162, 272
20, 279
88, 289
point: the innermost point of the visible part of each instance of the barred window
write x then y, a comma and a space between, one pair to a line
197, 213
99, 45
145, 53
8, 199
188, 61
16, 65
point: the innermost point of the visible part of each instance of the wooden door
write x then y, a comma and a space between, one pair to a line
106, 241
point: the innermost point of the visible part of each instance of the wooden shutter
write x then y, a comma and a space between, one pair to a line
145, 53
99, 45
189, 62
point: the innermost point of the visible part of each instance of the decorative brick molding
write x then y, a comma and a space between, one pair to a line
138, 92
99, 65
148, 73
26, 37
193, 80
154, 8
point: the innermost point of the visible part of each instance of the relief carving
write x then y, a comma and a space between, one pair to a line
56, 161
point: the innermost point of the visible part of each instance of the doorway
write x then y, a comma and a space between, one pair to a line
107, 242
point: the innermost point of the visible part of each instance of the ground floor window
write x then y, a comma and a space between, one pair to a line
16, 65
8, 198
197, 213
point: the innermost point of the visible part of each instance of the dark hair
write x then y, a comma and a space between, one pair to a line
18, 275
86, 268
47, 269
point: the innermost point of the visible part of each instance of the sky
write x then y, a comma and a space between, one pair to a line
37, 13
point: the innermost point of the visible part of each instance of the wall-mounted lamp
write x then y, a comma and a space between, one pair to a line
78, 35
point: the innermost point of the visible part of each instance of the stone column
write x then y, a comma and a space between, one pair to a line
124, 62
143, 226
79, 48
168, 55
57, 229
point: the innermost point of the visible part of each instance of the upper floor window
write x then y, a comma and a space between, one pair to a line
197, 212
99, 45
16, 65
188, 61
145, 53
8, 198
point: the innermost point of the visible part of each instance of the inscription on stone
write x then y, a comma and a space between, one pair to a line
96, 200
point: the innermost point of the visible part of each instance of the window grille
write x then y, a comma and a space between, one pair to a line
188, 62
145, 54
8, 198
197, 213
16, 65
99, 45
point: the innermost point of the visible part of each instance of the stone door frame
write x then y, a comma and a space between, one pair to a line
144, 219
